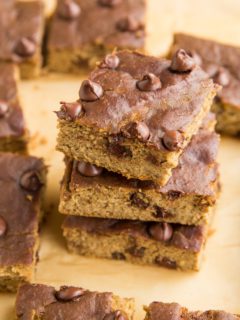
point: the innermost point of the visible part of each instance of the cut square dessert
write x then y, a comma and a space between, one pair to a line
155, 243
222, 63
187, 198
13, 134
136, 117
83, 32
173, 311
21, 34
21, 182
38, 301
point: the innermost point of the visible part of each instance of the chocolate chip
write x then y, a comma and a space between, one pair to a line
116, 315
136, 252
173, 140
114, 147
25, 48
136, 130
70, 111
69, 10
182, 62
88, 169
173, 195
111, 61
139, 200
118, 256
161, 231
90, 91
3, 108
69, 293
128, 24
166, 262
3, 226
161, 213
30, 181
149, 82
222, 77
109, 3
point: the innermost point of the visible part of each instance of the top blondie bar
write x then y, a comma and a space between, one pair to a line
82, 32
136, 114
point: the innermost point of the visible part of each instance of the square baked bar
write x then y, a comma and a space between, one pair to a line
173, 311
83, 32
38, 301
222, 63
13, 134
187, 198
136, 117
21, 34
21, 183
167, 245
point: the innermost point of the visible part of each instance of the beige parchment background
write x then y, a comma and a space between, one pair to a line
217, 285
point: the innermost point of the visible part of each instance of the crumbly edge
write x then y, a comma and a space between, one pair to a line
228, 118
127, 305
119, 246
15, 145
85, 143
13, 276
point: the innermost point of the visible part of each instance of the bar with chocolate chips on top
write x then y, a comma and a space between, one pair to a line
83, 32
13, 133
187, 198
136, 117
161, 244
173, 311
22, 179
38, 301
222, 63
21, 34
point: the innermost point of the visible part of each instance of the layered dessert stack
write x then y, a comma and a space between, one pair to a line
141, 177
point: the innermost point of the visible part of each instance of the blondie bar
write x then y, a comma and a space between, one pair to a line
21, 183
38, 301
136, 117
82, 32
222, 63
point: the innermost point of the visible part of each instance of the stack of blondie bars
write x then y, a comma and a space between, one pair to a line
141, 177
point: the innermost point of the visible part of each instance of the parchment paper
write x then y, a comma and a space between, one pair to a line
217, 285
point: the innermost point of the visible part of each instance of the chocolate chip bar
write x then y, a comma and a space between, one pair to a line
22, 179
136, 114
173, 311
38, 301
21, 34
13, 134
83, 32
162, 244
222, 63
187, 198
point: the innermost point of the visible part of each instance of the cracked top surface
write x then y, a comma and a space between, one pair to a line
11, 120
20, 206
173, 311
98, 24
67, 303
171, 108
214, 58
